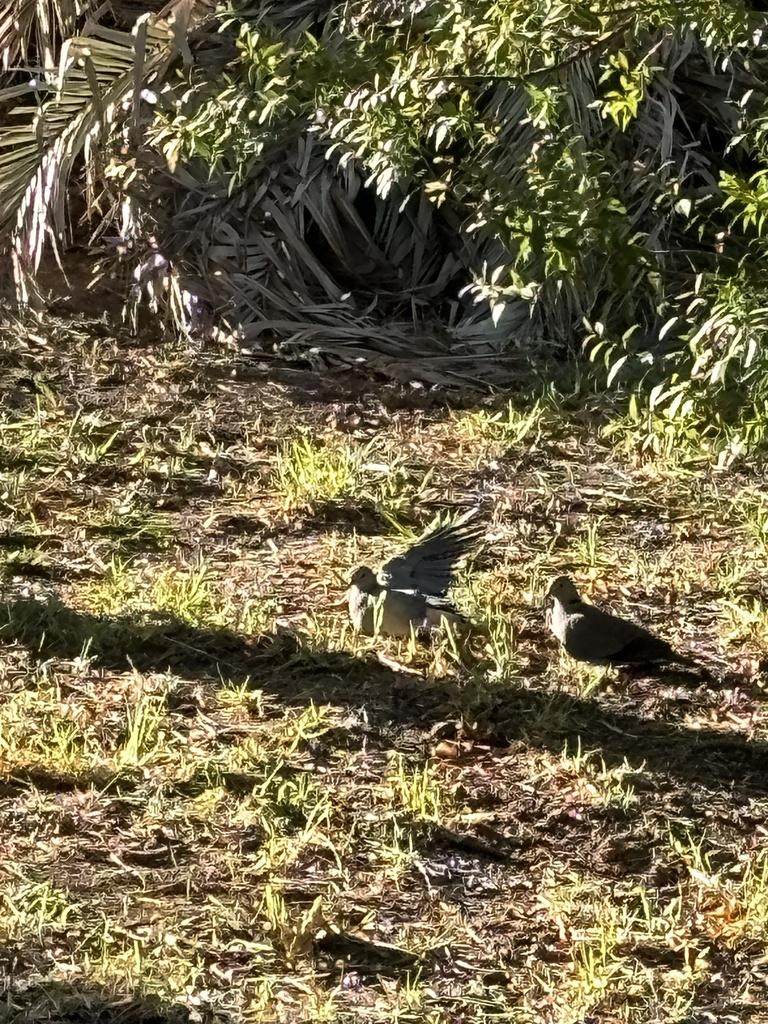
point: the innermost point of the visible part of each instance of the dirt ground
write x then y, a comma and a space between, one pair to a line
217, 803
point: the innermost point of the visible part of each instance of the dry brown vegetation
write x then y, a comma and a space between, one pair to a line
218, 804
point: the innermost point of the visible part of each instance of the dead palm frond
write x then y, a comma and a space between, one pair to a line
96, 92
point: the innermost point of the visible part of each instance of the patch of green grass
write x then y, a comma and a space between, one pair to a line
588, 545
595, 782
514, 425
667, 437
187, 592
501, 648
30, 909
144, 737
726, 902
308, 473
733, 573
116, 591
685, 432
26, 560
744, 621
53, 435
418, 791
620, 942
37, 729
192, 594
752, 510
584, 679
311, 473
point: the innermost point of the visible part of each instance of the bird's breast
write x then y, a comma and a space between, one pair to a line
559, 621
358, 605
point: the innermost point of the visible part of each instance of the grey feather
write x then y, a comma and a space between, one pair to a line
428, 566
593, 635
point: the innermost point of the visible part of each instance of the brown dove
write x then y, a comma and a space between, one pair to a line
409, 592
590, 634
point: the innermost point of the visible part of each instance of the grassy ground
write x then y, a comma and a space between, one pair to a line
218, 804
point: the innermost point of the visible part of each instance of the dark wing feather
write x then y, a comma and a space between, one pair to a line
429, 565
647, 647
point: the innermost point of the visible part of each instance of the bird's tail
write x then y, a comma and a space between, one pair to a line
705, 674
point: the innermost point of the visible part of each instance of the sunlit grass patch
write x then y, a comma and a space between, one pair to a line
618, 939
584, 777
187, 592
726, 895
308, 473
588, 545
27, 558
44, 730
242, 697
496, 605
503, 647
519, 423
670, 440
54, 435
30, 909
283, 732
295, 816
190, 593
417, 791
132, 525
144, 737
733, 573
116, 592
38, 728
751, 507
581, 677
677, 428
744, 621
311, 472
181, 452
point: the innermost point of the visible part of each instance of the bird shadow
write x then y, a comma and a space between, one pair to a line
386, 706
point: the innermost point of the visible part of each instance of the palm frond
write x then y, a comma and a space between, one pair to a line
100, 77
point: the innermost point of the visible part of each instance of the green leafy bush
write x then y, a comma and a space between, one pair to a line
534, 179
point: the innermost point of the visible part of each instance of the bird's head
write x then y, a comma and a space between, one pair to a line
563, 590
364, 579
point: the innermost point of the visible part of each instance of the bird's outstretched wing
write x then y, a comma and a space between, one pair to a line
428, 566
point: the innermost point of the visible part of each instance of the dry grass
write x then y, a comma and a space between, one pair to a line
218, 804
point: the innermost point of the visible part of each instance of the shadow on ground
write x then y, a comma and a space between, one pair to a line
399, 707
56, 1002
